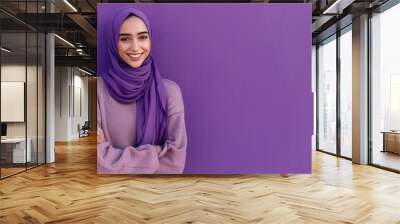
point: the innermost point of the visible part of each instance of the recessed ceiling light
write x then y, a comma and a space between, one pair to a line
70, 5
337, 7
86, 72
64, 40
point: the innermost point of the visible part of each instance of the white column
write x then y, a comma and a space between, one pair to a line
50, 92
50, 100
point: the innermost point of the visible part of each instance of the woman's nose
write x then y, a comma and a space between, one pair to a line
134, 45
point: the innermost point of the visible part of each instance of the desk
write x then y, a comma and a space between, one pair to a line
391, 141
13, 150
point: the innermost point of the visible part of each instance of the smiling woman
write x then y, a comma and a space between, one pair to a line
140, 115
134, 43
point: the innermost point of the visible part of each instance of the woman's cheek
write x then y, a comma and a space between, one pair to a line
123, 46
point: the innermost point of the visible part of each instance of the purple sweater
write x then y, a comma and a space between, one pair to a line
117, 154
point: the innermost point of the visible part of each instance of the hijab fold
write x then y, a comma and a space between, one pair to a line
143, 85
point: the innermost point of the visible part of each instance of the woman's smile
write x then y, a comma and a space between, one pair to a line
135, 56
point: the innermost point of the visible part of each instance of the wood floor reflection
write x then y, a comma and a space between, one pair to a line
70, 191
386, 159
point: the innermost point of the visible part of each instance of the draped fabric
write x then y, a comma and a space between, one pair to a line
143, 85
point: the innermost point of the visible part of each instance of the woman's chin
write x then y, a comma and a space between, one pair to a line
136, 64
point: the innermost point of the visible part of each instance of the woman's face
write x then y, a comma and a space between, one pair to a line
134, 42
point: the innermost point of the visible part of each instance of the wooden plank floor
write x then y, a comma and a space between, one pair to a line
10, 171
70, 191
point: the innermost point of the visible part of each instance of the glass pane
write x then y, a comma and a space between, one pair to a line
346, 94
314, 76
41, 98
23, 88
13, 86
31, 100
386, 89
327, 96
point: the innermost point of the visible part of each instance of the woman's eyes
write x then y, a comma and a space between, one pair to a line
144, 37
124, 39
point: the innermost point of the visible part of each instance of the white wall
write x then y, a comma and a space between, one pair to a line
71, 94
61, 103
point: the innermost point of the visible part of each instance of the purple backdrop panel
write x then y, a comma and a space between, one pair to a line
245, 75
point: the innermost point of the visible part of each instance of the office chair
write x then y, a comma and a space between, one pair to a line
84, 130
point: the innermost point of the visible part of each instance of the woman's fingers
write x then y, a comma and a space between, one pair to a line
100, 136
158, 149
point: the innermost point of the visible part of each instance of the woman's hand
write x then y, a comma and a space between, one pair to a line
100, 136
158, 149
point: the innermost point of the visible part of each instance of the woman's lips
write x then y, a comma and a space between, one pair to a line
135, 57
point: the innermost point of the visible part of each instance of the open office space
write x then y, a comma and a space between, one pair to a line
48, 127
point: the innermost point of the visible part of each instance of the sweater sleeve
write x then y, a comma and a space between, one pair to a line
144, 159
173, 154
113, 160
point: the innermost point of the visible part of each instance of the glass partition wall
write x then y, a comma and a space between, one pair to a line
334, 90
22, 78
385, 89
345, 62
327, 95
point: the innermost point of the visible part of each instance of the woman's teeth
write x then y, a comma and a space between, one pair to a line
134, 56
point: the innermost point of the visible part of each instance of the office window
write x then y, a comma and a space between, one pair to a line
314, 89
346, 92
327, 95
385, 88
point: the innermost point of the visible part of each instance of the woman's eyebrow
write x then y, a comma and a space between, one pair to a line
144, 32
128, 34
124, 34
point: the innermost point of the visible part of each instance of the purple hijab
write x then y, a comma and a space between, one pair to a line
143, 85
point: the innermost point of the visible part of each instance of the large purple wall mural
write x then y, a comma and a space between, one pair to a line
244, 71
